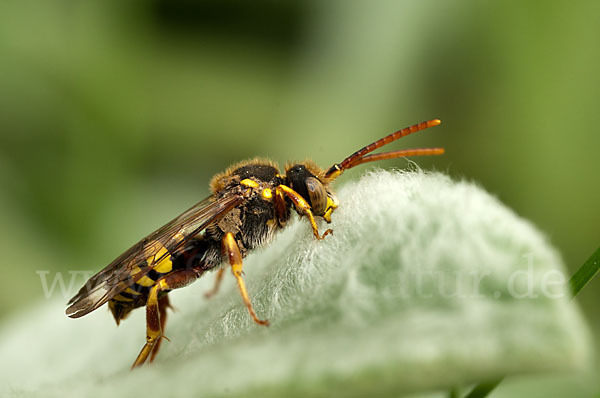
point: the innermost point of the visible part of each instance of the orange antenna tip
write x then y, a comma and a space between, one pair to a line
434, 122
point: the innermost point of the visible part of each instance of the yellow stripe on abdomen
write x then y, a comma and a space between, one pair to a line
145, 281
131, 291
158, 257
118, 297
163, 266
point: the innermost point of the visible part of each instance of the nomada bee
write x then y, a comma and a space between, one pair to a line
250, 201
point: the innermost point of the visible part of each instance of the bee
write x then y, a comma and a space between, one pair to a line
249, 203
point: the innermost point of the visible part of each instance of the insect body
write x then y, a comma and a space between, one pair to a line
250, 201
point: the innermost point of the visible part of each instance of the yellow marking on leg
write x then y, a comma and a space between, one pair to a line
249, 183
331, 206
302, 205
154, 322
163, 304
232, 251
153, 328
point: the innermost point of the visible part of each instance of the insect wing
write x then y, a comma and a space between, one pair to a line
142, 257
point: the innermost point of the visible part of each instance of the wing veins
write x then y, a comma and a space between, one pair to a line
115, 277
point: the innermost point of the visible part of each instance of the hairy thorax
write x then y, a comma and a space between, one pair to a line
254, 222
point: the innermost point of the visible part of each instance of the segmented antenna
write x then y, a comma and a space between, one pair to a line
360, 156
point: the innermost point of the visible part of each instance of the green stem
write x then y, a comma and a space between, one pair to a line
585, 273
483, 389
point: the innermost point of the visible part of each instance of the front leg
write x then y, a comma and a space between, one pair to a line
232, 251
303, 207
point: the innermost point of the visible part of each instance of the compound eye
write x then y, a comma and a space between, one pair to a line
317, 195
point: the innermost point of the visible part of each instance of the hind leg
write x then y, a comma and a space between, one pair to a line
168, 282
163, 304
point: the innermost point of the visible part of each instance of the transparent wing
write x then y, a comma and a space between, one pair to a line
148, 252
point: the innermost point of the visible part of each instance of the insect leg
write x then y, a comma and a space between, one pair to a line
232, 251
168, 282
302, 205
215, 288
163, 304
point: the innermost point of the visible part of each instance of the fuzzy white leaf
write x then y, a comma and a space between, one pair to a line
390, 303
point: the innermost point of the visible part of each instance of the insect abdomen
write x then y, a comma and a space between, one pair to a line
199, 254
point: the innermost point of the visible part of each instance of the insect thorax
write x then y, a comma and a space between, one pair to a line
254, 222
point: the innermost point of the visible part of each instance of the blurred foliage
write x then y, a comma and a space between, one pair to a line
115, 115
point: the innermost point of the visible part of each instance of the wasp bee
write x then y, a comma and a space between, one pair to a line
249, 203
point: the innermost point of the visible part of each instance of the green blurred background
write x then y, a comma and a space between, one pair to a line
114, 115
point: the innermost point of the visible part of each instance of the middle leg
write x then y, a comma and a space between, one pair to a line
232, 251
